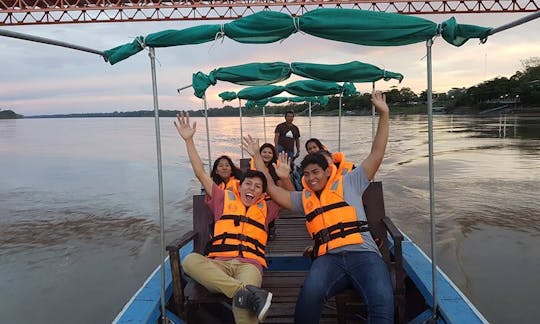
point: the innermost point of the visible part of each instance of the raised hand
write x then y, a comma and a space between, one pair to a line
379, 101
250, 145
284, 168
182, 125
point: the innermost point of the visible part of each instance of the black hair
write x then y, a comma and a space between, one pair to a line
317, 142
314, 158
255, 174
289, 112
235, 171
324, 153
269, 165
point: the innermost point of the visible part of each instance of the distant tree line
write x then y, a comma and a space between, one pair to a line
9, 114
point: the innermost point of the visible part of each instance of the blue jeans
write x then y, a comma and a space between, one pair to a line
280, 149
332, 273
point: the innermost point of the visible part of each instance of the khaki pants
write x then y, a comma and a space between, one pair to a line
226, 277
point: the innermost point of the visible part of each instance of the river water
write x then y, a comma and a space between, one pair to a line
79, 221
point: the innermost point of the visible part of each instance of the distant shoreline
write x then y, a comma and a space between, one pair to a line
393, 110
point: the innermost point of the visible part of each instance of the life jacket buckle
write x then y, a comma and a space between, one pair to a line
323, 236
241, 248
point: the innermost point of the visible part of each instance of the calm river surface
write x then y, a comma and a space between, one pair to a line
79, 225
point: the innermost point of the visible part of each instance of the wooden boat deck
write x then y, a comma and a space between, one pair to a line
291, 240
292, 236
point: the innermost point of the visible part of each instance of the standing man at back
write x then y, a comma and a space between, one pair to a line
287, 135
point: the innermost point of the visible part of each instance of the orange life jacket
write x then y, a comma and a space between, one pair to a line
343, 165
241, 231
330, 221
232, 184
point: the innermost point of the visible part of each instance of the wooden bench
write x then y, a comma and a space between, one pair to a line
287, 268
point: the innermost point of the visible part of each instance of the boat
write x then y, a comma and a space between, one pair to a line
439, 299
454, 307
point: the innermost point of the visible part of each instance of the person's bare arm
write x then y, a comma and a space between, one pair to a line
186, 132
276, 140
373, 161
278, 194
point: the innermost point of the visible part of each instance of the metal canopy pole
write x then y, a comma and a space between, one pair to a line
264, 123
49, 41
372, 115
515, 23
152, 55
183, 88
207, 134
429, 44
339, 125
241, 129
309, 119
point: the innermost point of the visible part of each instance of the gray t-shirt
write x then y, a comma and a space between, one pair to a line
354, 185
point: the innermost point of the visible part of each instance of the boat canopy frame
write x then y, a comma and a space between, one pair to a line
425, 32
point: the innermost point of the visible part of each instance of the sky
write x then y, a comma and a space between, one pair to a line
39, 79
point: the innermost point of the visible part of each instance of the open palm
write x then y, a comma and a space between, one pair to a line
182, 125
250, 145
283, 169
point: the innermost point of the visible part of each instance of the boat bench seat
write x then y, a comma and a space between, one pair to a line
195, 304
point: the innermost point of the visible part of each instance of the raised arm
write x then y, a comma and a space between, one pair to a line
278, 194
186, 132
283, 171
373, 161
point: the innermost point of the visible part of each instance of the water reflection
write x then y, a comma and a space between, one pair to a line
501, 126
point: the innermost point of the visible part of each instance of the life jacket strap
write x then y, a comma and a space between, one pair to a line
232, 247
240, 237
343, 229
239, 218
320, 210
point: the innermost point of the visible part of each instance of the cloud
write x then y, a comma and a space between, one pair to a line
43, 79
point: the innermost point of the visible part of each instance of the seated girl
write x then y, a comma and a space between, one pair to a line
313, 145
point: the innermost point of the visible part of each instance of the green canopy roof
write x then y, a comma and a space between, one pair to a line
306, 88
322, 100
267, 73
228, 95
345, 25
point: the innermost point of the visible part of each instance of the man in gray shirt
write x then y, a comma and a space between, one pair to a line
346, 254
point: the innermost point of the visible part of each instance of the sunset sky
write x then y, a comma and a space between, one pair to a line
42, 79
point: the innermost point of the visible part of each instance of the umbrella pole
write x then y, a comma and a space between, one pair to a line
309, 119
207, 134
429, 44
152, 56
339, 125
241, 129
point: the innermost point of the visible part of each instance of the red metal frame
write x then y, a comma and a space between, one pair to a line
32, 12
